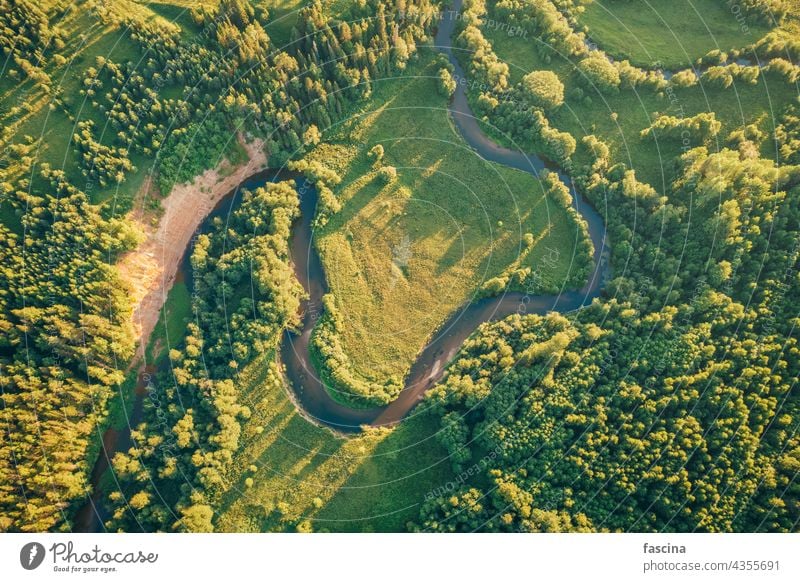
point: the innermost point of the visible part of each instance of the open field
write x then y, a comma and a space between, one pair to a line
303, 475
618, 118
673, 33
282, 17
401, 256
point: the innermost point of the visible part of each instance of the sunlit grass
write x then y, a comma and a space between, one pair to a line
671, 32
401, 257
306, 477
619, 118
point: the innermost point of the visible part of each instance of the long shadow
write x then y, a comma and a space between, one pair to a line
281, 457
387, 488
308, 391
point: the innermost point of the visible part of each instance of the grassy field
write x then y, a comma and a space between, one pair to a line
28, 117
619, 118
282, 17
305, 477
175, 314
671, 32
401, 257
179, 13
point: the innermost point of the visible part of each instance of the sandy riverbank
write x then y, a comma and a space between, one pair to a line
150, 269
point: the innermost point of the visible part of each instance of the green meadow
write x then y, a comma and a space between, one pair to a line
619, 118
295, 476
673, 33
401, 256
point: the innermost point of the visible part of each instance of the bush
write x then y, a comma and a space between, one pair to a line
446, 84
599, 74
696, 130
376, 153
684, 79
387, 174
543, 89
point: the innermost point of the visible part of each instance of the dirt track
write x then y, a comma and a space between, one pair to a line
150, 269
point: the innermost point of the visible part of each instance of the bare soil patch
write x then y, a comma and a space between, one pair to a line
150, 269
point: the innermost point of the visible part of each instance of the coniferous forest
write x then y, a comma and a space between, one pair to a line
399, 265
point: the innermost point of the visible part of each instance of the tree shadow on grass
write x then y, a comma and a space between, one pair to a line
388, 488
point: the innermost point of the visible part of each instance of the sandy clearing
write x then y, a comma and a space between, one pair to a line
150, 269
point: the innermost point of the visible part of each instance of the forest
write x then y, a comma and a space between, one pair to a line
668, 404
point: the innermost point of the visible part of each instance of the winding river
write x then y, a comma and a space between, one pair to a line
310, 394
307, 390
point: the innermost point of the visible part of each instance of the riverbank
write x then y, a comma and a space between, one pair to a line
150, 269
157, 262
150, 272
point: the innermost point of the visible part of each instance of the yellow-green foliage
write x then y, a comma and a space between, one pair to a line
672, 33
619, 118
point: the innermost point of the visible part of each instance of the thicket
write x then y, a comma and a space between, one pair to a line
699, 129
65, 337
671, 406
245, 296
323, 179
27, 40
671, 403
179, 107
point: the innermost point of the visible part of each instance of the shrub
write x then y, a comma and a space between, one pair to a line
446, 84
376, 153
598, 73
694, 130
543, 89
387, 174
684, 79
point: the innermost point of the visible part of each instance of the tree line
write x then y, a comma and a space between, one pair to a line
244, 297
